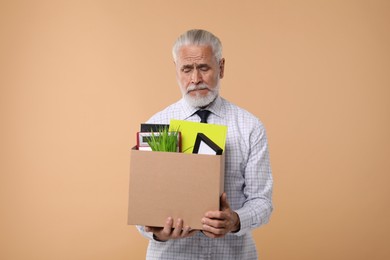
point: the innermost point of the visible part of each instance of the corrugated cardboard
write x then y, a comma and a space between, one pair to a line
178, 185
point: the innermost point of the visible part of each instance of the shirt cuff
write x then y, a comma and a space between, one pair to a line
148, 235
245, 223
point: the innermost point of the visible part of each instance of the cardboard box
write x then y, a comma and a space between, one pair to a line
178, 185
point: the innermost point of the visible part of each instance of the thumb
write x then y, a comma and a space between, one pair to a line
224, 202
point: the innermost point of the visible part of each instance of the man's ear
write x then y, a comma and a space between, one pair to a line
221, 68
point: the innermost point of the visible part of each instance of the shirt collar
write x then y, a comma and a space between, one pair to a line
215, 107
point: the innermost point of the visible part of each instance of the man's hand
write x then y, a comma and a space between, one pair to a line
170, 232
217, 224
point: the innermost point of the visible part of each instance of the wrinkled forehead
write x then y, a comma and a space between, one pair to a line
196, 54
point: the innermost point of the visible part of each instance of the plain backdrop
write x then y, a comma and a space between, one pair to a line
78, 77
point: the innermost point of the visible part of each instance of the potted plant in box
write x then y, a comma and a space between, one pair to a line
164, 140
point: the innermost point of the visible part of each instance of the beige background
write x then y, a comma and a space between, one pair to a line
78, 77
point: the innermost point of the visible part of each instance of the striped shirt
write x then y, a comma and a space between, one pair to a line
248, 184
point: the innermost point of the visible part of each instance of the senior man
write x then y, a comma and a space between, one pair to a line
247, 201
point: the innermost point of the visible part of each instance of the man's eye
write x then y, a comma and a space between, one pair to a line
186, 70
204, 68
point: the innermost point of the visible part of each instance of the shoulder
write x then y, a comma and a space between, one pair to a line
245, 126
240, 115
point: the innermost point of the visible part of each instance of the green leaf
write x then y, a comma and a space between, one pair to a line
164, 141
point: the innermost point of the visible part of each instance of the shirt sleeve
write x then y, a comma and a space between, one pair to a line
148, 235
258, 186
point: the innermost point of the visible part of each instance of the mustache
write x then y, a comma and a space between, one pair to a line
194, 87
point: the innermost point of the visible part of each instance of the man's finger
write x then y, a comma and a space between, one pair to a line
186, 231
224, 202
168, 226
178, 229
149, 229
216, 223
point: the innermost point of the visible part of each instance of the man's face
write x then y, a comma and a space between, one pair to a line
198, 74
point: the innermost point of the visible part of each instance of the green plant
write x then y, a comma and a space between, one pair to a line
164, 140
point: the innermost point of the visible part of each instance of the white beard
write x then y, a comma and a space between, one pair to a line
199, 101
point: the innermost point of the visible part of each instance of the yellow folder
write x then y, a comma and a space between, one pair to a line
189, 130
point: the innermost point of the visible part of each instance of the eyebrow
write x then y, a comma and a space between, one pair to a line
187, 67
198, 66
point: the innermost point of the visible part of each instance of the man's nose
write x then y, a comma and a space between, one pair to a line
196, 77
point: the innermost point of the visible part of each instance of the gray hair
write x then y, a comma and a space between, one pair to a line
198, 37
